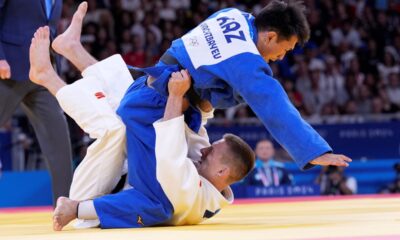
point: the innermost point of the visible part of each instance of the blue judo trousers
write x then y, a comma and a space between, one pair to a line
145, 204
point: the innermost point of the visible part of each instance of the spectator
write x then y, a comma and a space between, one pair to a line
316, 97
242, 114
332, 181
393, 187
130, 5
126, 42
364, 100
99, 15
167, 12
389, 64
388, 106
268, 172
393, 89
295, 97
346, 33
331, 112
303, 82
334, 83
137, 56
377, 105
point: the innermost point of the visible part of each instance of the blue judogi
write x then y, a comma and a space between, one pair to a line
145, 204
226, 69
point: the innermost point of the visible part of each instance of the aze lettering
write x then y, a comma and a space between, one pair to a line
229, 27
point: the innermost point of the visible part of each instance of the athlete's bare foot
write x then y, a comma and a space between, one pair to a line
68, 41
65, 212
39, 56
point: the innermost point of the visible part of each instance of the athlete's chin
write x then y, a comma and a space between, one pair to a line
268, 60
202, 171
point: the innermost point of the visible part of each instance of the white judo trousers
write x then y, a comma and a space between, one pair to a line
92, 102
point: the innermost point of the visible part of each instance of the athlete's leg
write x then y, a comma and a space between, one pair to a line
127, 209
41, 71
68, 44
87, 105
112, 72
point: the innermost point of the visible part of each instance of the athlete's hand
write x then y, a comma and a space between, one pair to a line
332, 159
179, 83
5, 71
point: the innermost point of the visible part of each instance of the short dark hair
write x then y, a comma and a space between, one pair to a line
264, 140
241, 157
286, 18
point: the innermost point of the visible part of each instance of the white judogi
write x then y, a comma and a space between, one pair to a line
92, 102
194, 198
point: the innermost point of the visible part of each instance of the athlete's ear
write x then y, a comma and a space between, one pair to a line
271, 35
224, 172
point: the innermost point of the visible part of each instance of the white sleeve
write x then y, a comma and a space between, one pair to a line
176, 173
199, 140
205, 116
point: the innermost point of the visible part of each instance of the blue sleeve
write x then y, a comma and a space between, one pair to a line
268, 100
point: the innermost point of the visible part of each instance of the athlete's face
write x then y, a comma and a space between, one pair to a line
211, 166
272, 48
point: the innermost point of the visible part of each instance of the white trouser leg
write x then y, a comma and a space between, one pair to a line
101, 168
92, 103
114, 75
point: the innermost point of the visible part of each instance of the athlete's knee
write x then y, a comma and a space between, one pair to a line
116, 129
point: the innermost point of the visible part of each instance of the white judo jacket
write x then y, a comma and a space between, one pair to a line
193, 197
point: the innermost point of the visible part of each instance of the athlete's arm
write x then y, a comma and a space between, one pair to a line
176, 173
178, 85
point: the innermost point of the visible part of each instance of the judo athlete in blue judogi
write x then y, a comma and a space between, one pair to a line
225, 55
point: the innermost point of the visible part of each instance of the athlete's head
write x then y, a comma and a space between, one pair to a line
226, 161
280, 26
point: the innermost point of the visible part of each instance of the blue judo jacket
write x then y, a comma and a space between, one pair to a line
227, 69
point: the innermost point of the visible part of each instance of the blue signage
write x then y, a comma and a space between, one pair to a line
242, 191
359, 141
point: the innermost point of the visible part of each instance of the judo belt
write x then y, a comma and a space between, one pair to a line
135, 73
170, 60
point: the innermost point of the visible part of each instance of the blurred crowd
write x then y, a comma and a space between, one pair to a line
349, 67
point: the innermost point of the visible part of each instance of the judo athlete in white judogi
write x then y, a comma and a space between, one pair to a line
192, 189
